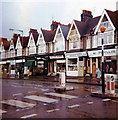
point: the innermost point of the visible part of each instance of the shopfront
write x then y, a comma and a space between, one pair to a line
57, 64
110, 61
75, 63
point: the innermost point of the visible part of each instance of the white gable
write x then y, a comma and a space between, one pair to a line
57, 31
100, 21
11, 45
31, 41
40, 39
73, 24
18, 43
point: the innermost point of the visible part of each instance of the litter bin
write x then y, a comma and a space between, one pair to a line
62, 79
110, 84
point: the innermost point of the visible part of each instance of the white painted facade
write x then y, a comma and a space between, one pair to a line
31, 45
74, 37
41, 44
59, 40
19, 47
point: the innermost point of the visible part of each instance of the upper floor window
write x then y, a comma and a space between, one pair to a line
88, 42
74, 43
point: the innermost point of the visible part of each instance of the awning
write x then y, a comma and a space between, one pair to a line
29, 64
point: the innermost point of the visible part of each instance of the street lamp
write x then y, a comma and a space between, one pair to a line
11, 29
103, 29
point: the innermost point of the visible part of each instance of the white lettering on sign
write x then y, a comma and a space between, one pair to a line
110, 52
55, 57
98, 53
75, 55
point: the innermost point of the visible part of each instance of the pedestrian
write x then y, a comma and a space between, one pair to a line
98, 73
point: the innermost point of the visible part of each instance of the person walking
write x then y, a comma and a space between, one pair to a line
98, 72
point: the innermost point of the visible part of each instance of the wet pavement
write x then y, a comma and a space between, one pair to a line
38, 99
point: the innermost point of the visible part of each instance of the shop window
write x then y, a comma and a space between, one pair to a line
81, 59
110, 67
72, 64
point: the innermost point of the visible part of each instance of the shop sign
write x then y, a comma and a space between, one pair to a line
20, 61
75, 55
61, 61
110, 52
96, 53
2, 62
57, 57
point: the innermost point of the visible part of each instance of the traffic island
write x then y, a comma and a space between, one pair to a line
63, 89
104, 95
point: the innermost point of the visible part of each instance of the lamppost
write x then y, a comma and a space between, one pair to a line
103, 29
11, 29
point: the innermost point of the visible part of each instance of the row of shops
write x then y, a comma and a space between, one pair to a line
78, 64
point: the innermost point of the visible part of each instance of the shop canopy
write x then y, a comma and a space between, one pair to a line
29, 64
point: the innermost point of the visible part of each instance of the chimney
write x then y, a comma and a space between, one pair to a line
86, 15
54, 25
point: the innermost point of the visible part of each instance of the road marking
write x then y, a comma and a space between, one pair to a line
18, 103
61, 95
2, 111
29, 116
32, 91
105, 100
52, 110
44, 90
16, 86
73, 106
42, 99
89, 103
114, 101
17, 94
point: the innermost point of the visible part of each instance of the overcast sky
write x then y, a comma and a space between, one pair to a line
26, 14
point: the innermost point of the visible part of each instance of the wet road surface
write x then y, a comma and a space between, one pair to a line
37, 99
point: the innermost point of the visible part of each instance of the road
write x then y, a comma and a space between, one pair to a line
37, 99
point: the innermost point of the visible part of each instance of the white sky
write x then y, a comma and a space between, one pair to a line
26, 14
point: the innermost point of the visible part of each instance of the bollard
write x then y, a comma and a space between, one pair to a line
62, 79
110, 84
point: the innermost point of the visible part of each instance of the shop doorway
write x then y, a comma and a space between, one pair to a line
94, 69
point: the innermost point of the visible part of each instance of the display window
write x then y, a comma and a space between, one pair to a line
61, 67
72, 64
111, 67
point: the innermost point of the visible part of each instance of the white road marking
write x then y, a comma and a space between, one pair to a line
42, 99
32, 91
52, 110
2, 111
89, 103
44, 90
18, 103
114, 101
73, 106
17, 94
61, 95
29, 116
105, 100
16, 86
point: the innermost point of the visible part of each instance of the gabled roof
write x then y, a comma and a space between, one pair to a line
81, 26
48, 35
15, 37
86, 27
5, 42
34, 33
25, 41
114, 17
65, 29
